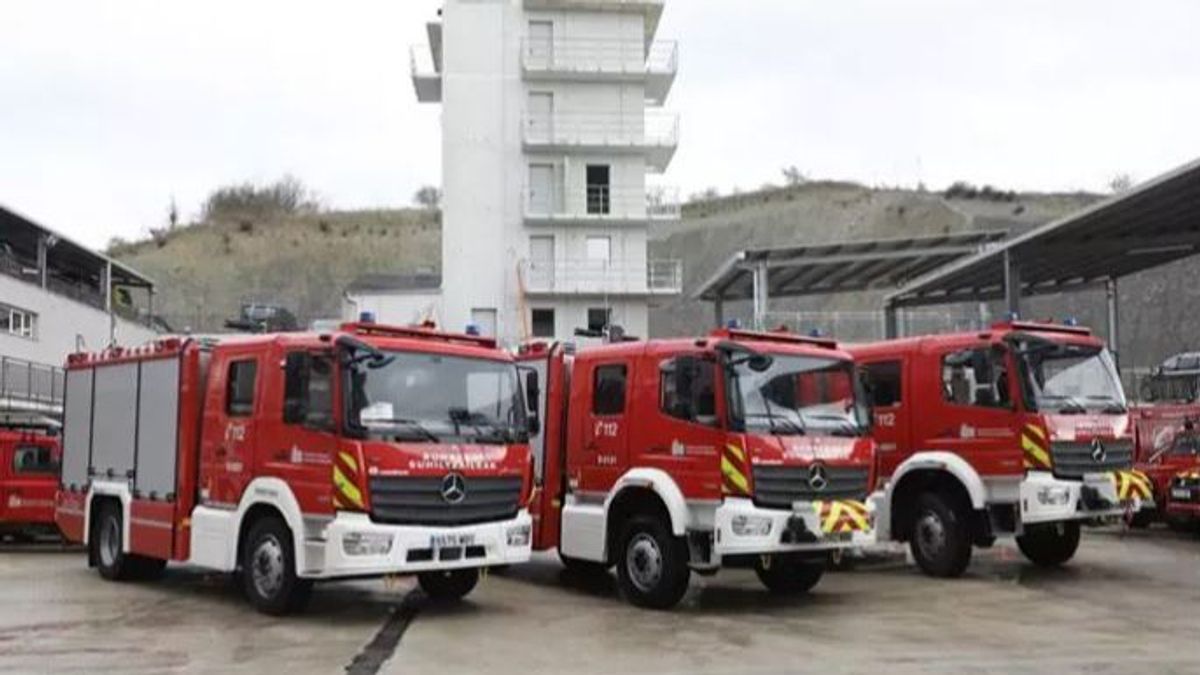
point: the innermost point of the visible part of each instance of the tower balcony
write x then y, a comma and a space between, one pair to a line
651, 9
426, 64
601, 204
654, 134
597, 278
603, 60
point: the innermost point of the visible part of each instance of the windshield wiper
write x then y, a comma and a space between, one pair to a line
846, 428
1111, 405
416, 429
785, 426
1070, 406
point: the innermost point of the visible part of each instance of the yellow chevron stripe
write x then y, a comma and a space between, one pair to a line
1036, 431
736, 452
1032, 450
347, 489
735, 476
349, 460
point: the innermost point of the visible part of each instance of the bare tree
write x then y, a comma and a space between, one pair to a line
286, 196
428, 197
1119, 183
793, 176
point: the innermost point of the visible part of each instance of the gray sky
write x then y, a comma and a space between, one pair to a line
110, 108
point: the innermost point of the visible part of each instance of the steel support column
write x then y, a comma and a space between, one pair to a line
762, 295
1114, 321
719, 311
891, 323
1012, 284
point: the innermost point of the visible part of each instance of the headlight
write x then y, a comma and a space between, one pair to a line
366, 543
1054, 496
751, 526
519, 535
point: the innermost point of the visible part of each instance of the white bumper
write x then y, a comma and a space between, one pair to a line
413, 548
1046, 499
728, 542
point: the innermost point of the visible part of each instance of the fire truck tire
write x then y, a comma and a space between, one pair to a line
941, 538
782, 576
652, 564
1143, 519
448, 585
269, 569
107, 546
1049, 545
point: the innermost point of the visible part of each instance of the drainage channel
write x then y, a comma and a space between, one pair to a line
381, 648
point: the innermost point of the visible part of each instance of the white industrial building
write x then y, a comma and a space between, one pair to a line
57, 297
551, 121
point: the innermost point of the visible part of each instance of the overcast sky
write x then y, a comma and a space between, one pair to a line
108, 109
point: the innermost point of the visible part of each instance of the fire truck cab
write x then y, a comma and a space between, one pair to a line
293, 458
1022, 429
29, 460
1168, 451
671, 456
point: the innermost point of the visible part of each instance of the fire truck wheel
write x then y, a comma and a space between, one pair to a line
788, 577
106, 545
652, 568
940, 539
269, 569
1049, 545
448, 585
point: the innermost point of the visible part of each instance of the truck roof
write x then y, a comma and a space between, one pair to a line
1056, 332
772, 342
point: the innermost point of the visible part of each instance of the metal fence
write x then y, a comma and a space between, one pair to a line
27, 384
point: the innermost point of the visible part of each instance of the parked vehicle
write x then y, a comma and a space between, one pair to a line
666, 457
29, 462
1175, 379
1018, 430
1168, 448
1183, 500
295, 458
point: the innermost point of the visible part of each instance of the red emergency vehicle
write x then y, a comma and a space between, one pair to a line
294, 458
1168, 451
671, 456
29, 459
1021, 429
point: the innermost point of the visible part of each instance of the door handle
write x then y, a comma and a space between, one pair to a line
221, 451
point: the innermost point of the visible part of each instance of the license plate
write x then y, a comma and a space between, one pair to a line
451, 540
1181, 493
839, 537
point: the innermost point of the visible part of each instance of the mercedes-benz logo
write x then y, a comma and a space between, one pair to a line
817, 480
454, 488
1099, 453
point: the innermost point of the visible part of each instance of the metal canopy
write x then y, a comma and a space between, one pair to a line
836, 268
1154, 224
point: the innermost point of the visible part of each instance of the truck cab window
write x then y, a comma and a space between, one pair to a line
608, 396
34, 459
976, 377
691, 395
308, 390
883, 378
239, 388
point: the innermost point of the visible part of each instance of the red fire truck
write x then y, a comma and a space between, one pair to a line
1168, 451
293, 458
29, 458
672, 456
1021, 429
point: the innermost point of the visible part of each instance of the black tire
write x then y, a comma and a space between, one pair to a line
106, 542
269, 569
448, 585
1143, 519
652, 564
941, 537
1050, 545
784, 576
583, 568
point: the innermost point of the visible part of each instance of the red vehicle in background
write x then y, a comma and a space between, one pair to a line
666, 457
29, 464
1020, 430
294, 458
1168, 451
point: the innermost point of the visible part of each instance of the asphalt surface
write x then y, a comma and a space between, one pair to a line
1129, 602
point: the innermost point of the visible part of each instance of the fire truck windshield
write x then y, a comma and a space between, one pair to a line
1070, 379
797, 395
432, 398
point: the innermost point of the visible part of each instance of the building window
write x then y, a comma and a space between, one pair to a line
608, 394
19, 322
599, 318
239, 388
599, 249
599, 189
543, 323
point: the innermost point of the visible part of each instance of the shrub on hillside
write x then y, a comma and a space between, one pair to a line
248, 201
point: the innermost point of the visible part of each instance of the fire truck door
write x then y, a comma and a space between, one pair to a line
891, 416
975, 416
603, 457
301, 440
27, 496
232, 405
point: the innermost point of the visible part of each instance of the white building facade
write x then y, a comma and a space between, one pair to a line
551, 121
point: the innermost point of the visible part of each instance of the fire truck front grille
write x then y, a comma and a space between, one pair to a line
777, 487
420, 501
1073, 459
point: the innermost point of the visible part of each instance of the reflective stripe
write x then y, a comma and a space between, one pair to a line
733, 476
1036, 456
1036, 431
349, 460
736, 452
347, 489
1130, 484
844, 515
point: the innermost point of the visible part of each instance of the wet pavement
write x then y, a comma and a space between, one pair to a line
1129, 602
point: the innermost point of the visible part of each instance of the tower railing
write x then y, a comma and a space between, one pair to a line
655, 128
593, 277
599, 56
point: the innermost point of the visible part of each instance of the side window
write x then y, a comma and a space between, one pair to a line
608, 393
308, 390
883, 379
687, 390
975, 377
34, 459
239, 388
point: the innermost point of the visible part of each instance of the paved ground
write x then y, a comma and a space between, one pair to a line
1128, 603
